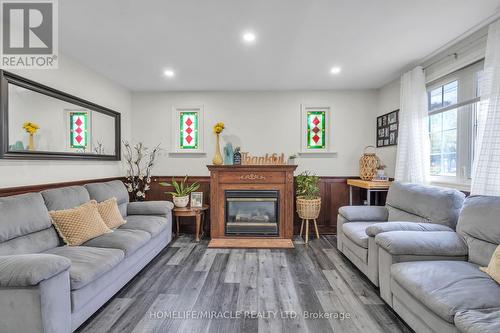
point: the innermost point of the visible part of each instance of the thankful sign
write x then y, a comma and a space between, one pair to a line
268, 159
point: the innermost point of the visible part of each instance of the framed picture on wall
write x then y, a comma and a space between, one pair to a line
387, 129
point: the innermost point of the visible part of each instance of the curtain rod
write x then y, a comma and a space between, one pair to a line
454, 54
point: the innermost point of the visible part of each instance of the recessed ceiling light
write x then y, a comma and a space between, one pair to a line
335, 70
249, 37
169, 73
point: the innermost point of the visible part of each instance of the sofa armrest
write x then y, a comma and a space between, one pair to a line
364, 213
24, 270
430, 243
379, 228
161, 208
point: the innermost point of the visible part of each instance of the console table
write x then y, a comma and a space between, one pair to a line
369, 186
228, 180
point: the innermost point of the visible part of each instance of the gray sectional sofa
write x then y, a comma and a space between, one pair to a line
409, 207
48, 287
447, 295
428, 272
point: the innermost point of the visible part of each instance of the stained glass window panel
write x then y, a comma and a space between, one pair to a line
78, 122
316, 132
189, 122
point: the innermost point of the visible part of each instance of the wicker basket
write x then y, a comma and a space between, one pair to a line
368, 164
308, 209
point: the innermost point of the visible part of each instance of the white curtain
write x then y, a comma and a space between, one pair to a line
413, 159
486, 170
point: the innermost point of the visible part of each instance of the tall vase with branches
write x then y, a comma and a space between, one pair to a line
140, 161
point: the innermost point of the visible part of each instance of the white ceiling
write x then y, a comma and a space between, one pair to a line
298, 41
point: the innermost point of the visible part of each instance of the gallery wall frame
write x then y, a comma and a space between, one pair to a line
387, 129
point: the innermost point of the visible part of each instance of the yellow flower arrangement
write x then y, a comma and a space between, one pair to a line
218, 128
30, 127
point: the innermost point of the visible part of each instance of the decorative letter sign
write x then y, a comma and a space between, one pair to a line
315, 130
78, 127
188, 129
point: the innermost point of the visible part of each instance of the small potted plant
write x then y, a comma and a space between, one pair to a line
180, 196
308, 200
291, 159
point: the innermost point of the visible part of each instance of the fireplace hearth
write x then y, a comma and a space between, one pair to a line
251, 206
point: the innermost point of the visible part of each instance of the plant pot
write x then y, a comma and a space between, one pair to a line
181, 202
308, 209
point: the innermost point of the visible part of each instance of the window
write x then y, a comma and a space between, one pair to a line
78, 129
452, 103
187, 130
315, 129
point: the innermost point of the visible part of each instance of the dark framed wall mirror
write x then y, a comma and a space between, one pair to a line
39, 122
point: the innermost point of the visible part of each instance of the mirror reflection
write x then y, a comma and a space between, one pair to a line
42, 123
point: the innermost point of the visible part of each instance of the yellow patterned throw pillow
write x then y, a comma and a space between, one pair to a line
493, 268
110, 213
78, 225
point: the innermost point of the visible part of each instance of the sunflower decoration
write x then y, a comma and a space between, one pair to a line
30, 127
218, 128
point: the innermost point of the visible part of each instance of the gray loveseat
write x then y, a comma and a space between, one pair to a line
447, 295
409, 207
48, 287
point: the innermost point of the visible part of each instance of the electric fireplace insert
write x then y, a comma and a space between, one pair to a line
251, 212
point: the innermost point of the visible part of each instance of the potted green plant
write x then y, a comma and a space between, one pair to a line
180, 195
308, 200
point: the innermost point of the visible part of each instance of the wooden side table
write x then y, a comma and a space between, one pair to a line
369, 186
197, 212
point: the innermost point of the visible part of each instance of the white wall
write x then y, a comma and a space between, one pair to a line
75, 79
388, 100
261, 122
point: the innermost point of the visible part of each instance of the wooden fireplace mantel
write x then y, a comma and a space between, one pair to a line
251, 177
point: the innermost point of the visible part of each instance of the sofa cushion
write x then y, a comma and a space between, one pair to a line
364, 213
128, 241
493, 268
78, 225
21, 215
65, 197
111, 215
478, 321
88, 263
446, 287
377, 228
435, 204
356, 232
149, 223
104, 191
26, 270
479, 224
25, 225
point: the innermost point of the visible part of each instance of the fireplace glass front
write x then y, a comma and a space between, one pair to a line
250, 212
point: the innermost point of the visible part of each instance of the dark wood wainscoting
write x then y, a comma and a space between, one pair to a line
4, 192
334, 193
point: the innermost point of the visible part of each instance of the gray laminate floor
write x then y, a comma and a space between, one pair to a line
190, 288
